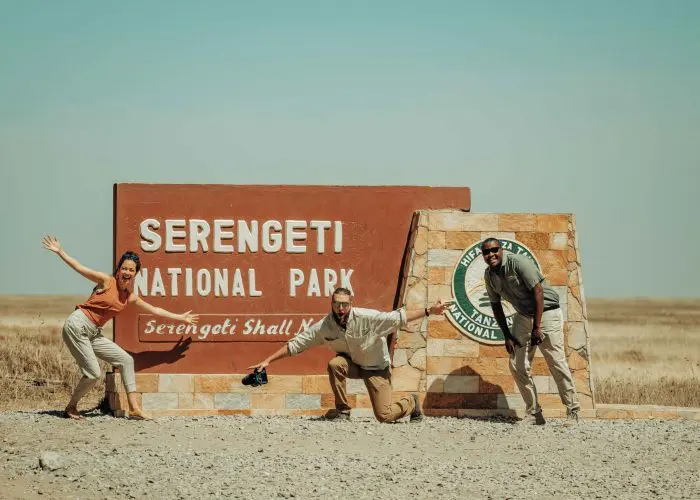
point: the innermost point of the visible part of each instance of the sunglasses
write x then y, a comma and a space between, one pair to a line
340, 304
487, 251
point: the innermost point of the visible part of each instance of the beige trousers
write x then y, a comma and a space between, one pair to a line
86, 343
552, 349
378, 383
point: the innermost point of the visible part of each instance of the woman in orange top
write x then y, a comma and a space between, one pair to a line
82, 330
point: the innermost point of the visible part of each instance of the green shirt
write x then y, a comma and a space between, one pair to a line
514, 280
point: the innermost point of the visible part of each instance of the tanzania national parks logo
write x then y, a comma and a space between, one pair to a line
471, 310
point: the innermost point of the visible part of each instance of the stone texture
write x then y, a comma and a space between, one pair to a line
436, 383
418, 359
517, 222
544, 384
203, 400
559, 241
175, 383
147, 382
509, 401
539, 367
493, 351
442, 329
185, 400
160, 400
419, 266
501, 235
232, 400
461, 221
575, 311
420, 243
534, 241
553, 223
462, 347
410, 340
435, 347
576, 335
443, 258
444, 366
461, 384
461, 240
576, 362
439, 292
271, 401
436, 239
406, 378
303, 401
400, 357
553, 263
356, 386
212, 383
439, 275
497, 384
416, 296
50, 460
315, 384
485, 366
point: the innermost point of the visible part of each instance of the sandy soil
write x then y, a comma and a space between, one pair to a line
257, 457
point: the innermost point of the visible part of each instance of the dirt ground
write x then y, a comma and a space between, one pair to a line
273, 457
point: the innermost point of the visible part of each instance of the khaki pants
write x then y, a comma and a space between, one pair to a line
552, 349
378, 383
86, 343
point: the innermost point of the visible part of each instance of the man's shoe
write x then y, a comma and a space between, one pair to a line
534, 419
417, 413
571, 418
338, 416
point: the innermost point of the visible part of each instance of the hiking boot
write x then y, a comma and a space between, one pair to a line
338, 416
571, 418
417, 413
534, 419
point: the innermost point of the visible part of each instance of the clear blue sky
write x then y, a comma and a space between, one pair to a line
590, 107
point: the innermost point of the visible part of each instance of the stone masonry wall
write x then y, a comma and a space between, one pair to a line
456, 375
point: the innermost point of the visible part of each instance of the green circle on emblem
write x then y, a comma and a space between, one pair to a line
471, 310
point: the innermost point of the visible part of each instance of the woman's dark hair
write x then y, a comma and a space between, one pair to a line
129, 255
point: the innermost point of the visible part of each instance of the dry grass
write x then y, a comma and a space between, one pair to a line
644, 352
36, 368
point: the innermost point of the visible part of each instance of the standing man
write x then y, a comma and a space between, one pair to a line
538, 321
359, 337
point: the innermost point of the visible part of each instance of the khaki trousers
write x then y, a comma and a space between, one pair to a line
378, 383
552, 349
86, 343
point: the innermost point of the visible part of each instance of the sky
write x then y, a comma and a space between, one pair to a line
589, 107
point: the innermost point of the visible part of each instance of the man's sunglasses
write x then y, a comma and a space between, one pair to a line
487, 251
340, 304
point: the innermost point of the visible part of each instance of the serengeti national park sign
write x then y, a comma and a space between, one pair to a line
258, 264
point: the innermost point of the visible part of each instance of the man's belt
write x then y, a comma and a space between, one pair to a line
551, 308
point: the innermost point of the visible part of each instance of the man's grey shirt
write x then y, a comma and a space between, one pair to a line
364, 338
514, 280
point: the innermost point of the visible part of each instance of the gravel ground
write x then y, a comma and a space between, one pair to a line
274, 457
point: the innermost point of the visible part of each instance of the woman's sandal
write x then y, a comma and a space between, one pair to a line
139, 416
72, 416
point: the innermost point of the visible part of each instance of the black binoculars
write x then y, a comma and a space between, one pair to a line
256, 378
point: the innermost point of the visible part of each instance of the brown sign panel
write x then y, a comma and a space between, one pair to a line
258, 263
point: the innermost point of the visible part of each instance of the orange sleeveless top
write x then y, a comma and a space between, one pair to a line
104, 304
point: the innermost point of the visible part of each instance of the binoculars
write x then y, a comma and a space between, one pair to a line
256, 378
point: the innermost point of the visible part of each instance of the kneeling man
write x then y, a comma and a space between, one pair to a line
359, 337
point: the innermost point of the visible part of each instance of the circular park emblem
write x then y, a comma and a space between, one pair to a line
471, 310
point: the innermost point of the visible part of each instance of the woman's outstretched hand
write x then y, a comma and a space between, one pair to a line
189, 318
51, 243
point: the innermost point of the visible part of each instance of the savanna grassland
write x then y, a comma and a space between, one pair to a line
645, 351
